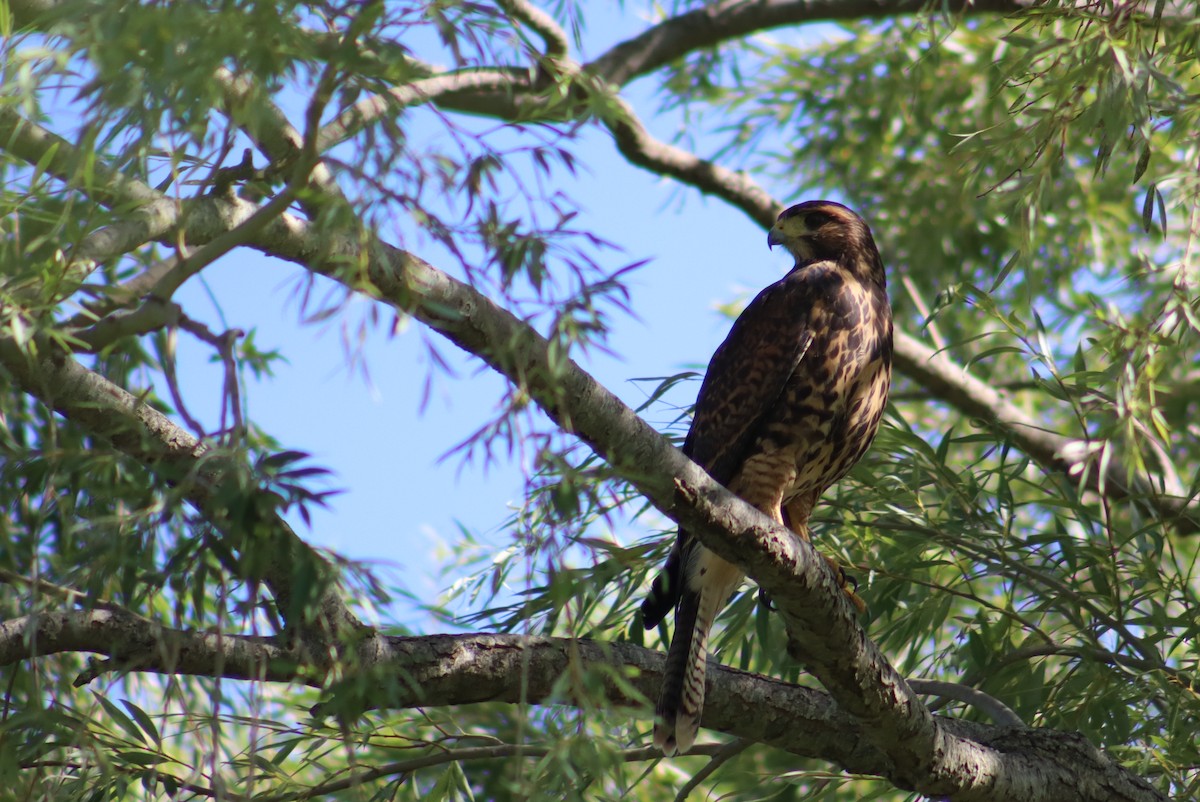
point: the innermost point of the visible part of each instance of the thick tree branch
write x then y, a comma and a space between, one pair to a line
133, 643
713, 24
438, 670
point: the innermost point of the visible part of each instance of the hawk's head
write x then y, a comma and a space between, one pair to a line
822, 229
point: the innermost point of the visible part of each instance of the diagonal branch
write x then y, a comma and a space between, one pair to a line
143, 433
1072, 457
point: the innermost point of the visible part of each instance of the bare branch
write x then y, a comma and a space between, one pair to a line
727, 753
67, 594
715, 23
124, 295
426, 90
154, 314
541, 23
996, 710
172, 379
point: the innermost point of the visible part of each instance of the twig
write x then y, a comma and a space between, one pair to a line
726, 753
923, 309
153, 315
124, 295
403, 767
158, 284
68, 594
1033, 650
995, 709
551, 33
425, 90
168, 360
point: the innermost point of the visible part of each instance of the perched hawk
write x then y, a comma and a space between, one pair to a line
791, 400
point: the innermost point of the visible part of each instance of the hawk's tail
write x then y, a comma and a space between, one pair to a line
677, 717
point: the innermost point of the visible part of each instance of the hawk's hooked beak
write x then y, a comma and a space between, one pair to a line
774, 238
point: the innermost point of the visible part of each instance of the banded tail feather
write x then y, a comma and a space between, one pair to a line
677, 715
681, 703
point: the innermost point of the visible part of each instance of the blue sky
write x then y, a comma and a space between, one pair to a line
401, 500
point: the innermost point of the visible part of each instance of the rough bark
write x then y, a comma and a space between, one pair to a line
1009, 762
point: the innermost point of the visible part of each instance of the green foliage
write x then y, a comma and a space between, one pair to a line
1031, 180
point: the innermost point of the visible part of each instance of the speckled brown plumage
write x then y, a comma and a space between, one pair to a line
791, 400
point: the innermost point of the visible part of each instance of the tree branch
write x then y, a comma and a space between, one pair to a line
445, 755
551, 33
713, 24
111, 413
996, 710
134, 643
1074, 458
425, 90
439, 670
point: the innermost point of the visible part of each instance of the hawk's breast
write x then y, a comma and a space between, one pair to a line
832, 404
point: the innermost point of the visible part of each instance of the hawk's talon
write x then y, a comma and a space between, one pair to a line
851, 580
848, 583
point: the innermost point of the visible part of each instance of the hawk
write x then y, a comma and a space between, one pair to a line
791, 400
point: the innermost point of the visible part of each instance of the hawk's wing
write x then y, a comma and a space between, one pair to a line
745, 378
748, 372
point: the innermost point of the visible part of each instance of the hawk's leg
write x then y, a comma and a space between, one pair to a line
795, 515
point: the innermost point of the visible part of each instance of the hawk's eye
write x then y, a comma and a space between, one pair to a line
816, 219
